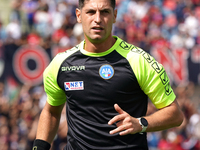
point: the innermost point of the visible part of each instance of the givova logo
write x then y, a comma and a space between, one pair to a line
106, 71
73, 68
77, 85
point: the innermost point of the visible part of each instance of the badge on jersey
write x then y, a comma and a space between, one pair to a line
77, 85
106, 71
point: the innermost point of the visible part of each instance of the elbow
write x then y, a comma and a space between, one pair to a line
179, 118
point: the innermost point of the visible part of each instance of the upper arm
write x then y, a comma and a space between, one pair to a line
175, 108
174, 111
54, 110
173, 104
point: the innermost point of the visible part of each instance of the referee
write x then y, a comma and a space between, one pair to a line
105, 83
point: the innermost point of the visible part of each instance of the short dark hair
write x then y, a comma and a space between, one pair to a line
82, 2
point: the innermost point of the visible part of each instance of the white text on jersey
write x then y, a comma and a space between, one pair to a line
73, 68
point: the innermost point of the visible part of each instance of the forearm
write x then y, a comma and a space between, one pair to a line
48, 124
47, 127
168, 117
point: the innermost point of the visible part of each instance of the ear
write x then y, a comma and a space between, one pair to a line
115, 15
78, 15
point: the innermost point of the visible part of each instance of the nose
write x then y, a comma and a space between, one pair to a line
98, 17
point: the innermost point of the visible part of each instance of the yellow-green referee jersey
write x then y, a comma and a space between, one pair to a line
91, 83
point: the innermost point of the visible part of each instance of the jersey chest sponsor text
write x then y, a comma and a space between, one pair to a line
77, 85
73, 68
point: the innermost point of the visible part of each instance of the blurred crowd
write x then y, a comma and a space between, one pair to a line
143, 23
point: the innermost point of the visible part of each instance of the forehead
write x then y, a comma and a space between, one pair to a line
98, 4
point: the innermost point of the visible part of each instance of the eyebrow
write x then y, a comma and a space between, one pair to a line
104, 9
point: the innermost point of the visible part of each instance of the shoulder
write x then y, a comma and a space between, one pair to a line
63, 55
131, 52
55, 64
55, 95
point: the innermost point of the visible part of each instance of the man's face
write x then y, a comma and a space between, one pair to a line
97, 18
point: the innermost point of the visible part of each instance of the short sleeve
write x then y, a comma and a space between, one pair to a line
55, 95
152, 78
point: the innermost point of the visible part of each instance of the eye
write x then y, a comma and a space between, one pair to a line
105, 11
91, 12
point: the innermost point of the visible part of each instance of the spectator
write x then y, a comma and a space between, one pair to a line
3, 35
42, 21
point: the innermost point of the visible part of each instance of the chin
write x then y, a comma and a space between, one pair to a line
97, 40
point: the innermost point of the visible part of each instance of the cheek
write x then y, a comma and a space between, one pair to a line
110, 24
85, 29
85, 23
84, 26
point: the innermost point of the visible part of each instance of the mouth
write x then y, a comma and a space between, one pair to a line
97, 28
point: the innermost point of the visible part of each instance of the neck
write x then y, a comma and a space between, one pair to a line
99, 47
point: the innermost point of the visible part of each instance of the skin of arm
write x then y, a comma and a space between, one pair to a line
49, 122
165, 118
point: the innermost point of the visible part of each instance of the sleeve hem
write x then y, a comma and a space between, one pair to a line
56, 103
166, 103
